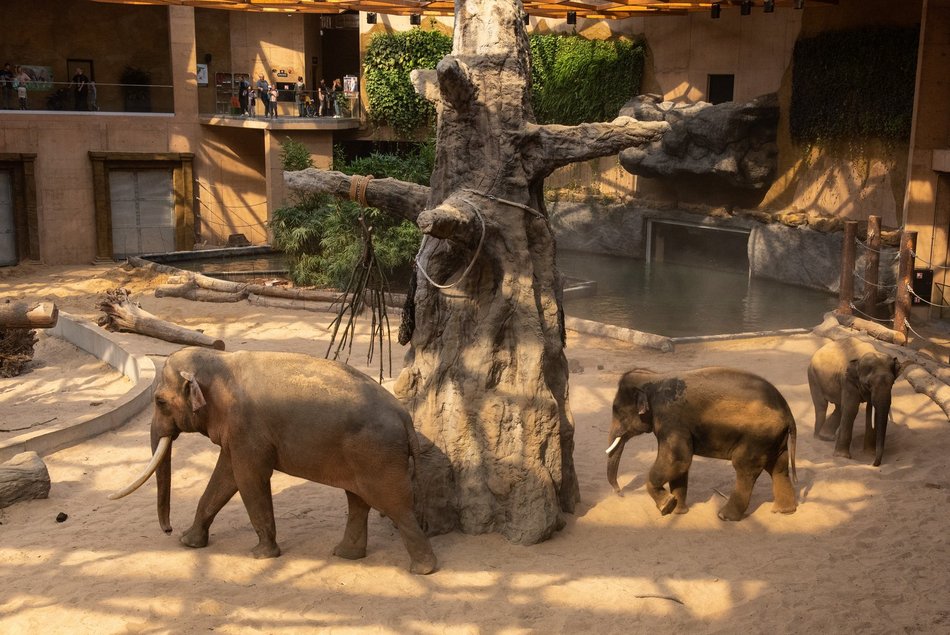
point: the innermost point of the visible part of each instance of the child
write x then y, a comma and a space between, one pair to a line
21, 95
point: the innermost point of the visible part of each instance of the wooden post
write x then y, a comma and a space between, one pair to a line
846, 288
872, 264
904, 273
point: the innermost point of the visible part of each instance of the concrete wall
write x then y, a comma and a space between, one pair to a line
268, 44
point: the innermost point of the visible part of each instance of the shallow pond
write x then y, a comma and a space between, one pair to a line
679, 300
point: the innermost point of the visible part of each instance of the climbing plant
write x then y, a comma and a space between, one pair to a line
854, 86
575, 80
390, 57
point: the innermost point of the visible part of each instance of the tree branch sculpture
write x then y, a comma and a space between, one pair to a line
486, 378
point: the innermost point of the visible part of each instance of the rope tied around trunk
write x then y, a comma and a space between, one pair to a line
471, 264
358, 185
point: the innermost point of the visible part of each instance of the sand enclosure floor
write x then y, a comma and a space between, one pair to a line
865, 552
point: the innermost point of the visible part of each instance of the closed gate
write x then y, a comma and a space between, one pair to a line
8, 255
143, 212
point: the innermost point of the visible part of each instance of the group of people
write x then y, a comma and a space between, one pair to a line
324, 103
14, 81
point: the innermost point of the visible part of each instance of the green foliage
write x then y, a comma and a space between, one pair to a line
575, 80
854, 86
294, 156
321, 236
390, 57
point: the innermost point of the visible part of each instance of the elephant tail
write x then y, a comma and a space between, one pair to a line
792, 436
414, 448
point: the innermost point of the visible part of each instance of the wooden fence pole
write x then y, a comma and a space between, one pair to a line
904, 273
872, 264
846, 288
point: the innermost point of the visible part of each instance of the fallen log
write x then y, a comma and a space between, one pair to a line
24, 315
291, 303
926, 384
191, 291
121, 314
24, 477
875, 330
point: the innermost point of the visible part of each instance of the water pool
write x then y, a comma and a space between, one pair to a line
678, 300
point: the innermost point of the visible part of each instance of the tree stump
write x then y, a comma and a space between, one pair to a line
16, 350
22, 315
24, 477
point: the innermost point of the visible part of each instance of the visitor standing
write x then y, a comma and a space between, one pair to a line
252, 101
93, 97
262, 91
20, 82
336, 96
272, 93
299, 94
80, 89
6, 84
244, 88
323, 99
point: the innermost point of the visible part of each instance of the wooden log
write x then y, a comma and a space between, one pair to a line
873, 329
191, 291
121, 314
25, 315
926, 384
24, 477
846, 286
291, 303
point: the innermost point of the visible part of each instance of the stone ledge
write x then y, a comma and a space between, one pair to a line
98, 342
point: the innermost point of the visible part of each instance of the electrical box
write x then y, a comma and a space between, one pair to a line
922, 284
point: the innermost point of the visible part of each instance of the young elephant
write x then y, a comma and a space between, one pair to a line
722, 413
847, 373
308, 417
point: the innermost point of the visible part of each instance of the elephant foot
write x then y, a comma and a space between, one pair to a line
263, 550
681, 508
349, 552
423, 566
784, 509
845, 454
666, 505
730, 513
196, 537
825, 436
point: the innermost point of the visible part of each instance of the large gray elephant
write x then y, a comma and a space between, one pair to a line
722, 413
847, 373
308, 417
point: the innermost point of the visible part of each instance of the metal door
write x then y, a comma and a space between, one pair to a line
143, 212
8, 254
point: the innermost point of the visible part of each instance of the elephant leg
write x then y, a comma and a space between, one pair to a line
849, 410
828, 431
819, 401
252, 473
353, 545
673, 459
747, 472
783, 492
221, 488
393, 498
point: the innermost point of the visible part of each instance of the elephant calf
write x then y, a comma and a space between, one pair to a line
722, 413
308, 417
847, 373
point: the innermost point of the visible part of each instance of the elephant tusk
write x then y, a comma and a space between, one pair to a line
613, 445
163, 444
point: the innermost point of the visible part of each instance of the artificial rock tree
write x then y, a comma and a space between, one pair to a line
486, 378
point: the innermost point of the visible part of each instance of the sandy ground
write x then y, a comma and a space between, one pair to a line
865, 552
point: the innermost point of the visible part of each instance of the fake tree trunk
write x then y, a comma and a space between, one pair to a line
486, 379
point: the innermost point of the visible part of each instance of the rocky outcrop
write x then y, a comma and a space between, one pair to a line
732, 141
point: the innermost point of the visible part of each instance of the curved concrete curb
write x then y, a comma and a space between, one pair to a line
98, 342
640, 338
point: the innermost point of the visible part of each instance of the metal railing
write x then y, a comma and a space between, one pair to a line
96, 97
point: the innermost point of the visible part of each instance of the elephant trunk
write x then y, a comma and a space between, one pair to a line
613, 461
163, 479
881, 412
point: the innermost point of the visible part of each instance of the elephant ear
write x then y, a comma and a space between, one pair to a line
643, 404
852, 373
195, 395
